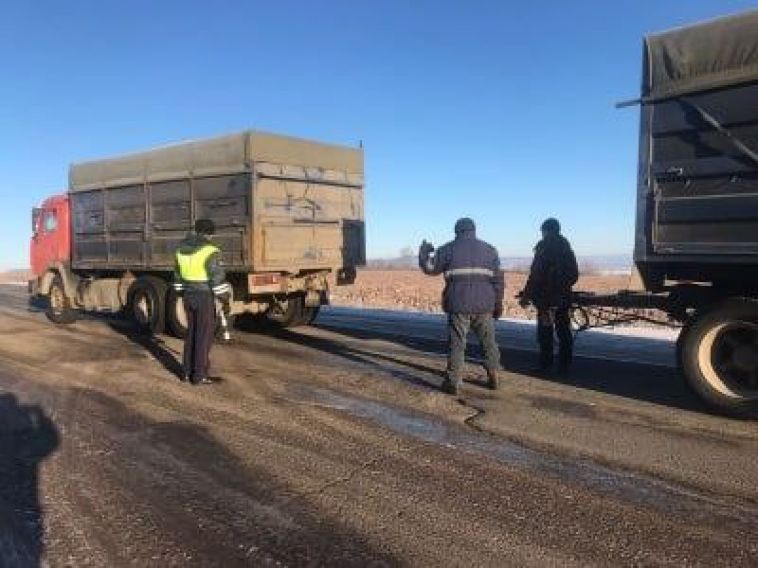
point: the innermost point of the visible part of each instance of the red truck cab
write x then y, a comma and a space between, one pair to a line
51, 235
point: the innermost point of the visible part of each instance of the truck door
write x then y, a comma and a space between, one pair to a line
307, 218
50, 235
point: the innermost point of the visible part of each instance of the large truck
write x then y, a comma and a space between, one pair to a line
289, 216
696, 246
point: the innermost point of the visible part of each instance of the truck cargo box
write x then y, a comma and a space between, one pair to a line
279, 204
698, 177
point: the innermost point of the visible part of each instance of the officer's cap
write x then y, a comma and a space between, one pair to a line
205, 227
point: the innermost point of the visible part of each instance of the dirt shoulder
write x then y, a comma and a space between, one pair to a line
412, 290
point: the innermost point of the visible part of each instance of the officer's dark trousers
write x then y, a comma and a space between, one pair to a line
483, 326
201, 328
561, 327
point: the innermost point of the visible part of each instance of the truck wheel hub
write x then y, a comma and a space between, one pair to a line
736, 354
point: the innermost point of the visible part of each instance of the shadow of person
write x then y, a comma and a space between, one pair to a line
27, 437
620, 377
152, 344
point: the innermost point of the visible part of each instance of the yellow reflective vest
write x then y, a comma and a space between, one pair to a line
192, 266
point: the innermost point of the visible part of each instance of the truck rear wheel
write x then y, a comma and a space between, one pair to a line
176, 318
288, 313
719, 357
147, 304
58, 305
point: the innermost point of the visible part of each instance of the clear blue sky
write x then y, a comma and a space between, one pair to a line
502, 111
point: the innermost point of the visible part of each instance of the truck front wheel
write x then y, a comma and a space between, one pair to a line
58, 305
719, 356
147, 304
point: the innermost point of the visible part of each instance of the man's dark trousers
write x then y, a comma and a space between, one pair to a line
483, 326
200, 308
560, 326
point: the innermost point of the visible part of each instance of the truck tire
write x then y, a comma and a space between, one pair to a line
176, 319
288, 313
147, 304
58, 309
719, 357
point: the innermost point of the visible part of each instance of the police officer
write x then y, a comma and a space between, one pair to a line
472, 297
199, 277
553, 273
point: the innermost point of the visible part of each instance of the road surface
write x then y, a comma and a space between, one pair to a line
331, 445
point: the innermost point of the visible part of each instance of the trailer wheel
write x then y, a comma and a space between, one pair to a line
719, 357
147, 304
58, 305
288, 313
176, 317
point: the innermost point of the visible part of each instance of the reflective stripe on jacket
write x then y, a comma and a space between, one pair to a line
474, 283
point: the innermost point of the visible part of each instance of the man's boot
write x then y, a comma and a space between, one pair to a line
564, 362
451, 385
493, 379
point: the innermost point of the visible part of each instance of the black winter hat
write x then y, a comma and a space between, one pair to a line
205, 227
464, 225
551, 225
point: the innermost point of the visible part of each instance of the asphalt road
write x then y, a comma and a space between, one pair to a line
331, 445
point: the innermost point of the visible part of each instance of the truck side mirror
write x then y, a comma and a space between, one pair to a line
36, 214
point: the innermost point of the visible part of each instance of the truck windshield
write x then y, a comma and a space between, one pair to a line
51, 221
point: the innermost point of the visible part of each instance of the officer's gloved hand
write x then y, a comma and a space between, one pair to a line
523, 301
498, 313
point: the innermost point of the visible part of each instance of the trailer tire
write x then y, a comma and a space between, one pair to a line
289, 313
719, 357
58, 309
147, 304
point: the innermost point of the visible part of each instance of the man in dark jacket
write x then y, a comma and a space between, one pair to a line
472, 297
553, 273
199, 277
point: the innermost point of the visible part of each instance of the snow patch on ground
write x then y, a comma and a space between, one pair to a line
634, 331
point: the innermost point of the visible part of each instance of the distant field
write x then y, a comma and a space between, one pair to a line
412, 290
9, 276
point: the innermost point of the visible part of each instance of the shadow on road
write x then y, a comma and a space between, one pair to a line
27, 437
218, 509
649, 383
154, 345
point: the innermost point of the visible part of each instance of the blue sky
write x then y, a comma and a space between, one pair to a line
502, 111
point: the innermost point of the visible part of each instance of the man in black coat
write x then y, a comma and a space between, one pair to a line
553, 273
472, 297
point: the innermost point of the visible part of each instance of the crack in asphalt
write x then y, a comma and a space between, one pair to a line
341, 480
478, 412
